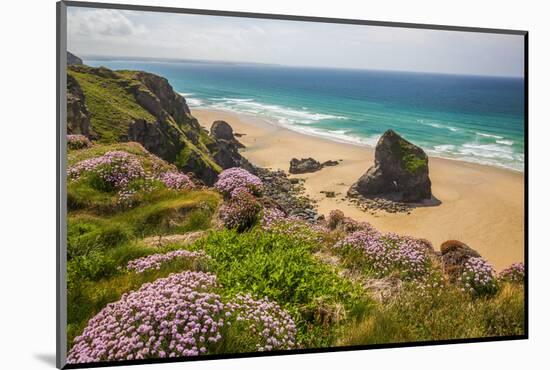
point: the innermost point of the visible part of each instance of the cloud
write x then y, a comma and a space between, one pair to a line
164, 35
102, 23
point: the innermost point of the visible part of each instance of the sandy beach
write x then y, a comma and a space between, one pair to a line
481, 206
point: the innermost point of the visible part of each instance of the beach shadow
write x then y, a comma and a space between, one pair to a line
46, 358
432, 202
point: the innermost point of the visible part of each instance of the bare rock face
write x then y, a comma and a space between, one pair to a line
222, 130
78, 117
73, 59
304, 165
400, 171
454, 255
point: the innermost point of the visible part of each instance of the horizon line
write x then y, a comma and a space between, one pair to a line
213, 61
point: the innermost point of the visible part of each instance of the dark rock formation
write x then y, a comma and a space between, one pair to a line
143, 107
304, 165
73, 59
454, 255
221, 130
78, 117
225, 148
400, 171
329, 163
286, 195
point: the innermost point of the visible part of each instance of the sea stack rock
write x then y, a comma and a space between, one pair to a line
221, 130
304, 165
400, 171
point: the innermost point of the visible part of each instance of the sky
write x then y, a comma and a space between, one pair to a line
123, 33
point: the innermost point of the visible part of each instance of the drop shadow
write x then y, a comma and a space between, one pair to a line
46, 358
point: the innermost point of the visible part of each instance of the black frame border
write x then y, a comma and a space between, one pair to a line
61, 217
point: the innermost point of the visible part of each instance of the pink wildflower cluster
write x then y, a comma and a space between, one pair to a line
514, 273
78, 142
176, 180
171, 317
234, 180
117, 168
272, 325
478, 277
240, 212
387, 253
178, 316
154, 261
292, 225
270, 216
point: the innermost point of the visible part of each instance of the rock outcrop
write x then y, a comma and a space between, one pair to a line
143, 107
454, 255
78, 116
304, 165
225, 147
73, 59
400, 171
222, 130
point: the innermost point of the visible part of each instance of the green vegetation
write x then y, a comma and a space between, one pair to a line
444, 312
281, 267
111, 104
321, 275
411, 159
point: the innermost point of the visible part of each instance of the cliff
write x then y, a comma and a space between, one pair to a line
119, 106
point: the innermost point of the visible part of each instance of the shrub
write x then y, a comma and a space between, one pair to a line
75, 142
271, 327
234, 178
111, 171
282, 268
174, 316
271, 216
478, 277
240, 212
515, 273
154, 261
176, 180
382, 255
180, 315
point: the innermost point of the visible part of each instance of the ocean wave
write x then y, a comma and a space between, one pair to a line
489, 135
505, 142
285, 115
439, 125
192, 102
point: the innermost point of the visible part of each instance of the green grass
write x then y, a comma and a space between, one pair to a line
439, 314
110, 103
282, 268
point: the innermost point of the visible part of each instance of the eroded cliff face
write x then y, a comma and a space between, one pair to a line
78, 117
118, 106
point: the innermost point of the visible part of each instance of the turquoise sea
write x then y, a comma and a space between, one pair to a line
471, 118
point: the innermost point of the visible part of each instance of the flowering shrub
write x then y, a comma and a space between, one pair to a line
270, 216
176, 180
233, 178
178, 316
383, 254
78, 142
154, 261
115, 169
478, 277
240, 212
514, 273
273, 326
171, 317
